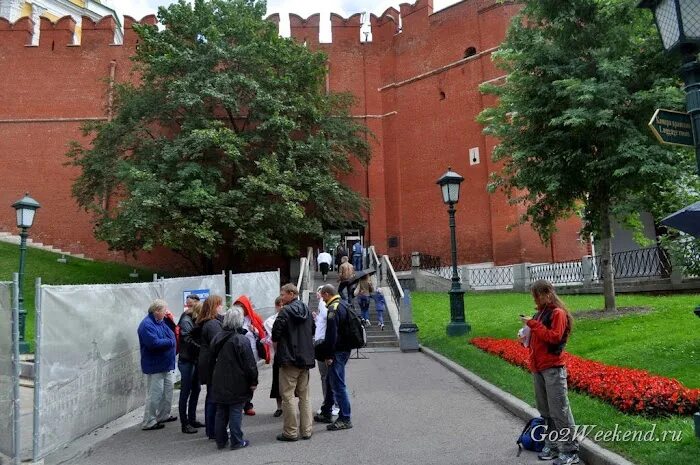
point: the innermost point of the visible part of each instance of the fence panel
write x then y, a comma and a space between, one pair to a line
652, 262
498, 277
90, 360
401, 262
174, 290
6, 372
262, 289
557, 273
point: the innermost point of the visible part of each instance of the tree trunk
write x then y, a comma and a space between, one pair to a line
606, 256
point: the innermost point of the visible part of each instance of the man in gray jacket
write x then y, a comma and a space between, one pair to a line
293, 332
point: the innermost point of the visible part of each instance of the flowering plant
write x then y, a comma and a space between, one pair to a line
628, 389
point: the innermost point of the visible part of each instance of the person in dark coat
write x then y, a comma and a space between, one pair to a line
157, 343
293, 332
209, 322
235, 377
187, 364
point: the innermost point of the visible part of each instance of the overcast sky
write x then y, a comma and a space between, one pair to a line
141, 8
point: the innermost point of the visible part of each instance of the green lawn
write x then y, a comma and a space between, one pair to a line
664, 342
41, 263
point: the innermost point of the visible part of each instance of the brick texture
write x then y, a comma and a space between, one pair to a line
414, 89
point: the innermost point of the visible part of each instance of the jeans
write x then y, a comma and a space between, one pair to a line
159, 398
189, 391
336, 389
380, 317
210, 412
363, 302
357, 261
553, 405
229, 415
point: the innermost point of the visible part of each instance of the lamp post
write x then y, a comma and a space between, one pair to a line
25, 208
449, 183
678, 22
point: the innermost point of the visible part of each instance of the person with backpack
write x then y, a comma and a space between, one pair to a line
337, 345
187, 364
549, 331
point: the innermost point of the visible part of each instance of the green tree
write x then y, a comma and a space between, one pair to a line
583, 79
227, 139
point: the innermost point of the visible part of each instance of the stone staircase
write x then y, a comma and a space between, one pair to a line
15, 239
377, 340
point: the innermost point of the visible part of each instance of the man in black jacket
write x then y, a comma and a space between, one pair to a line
293, 332
337, 352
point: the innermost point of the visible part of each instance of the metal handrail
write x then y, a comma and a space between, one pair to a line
303, 266
394, 284
376, 264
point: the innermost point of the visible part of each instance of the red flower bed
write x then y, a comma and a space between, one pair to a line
630, 390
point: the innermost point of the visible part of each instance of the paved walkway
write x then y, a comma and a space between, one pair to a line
406, 409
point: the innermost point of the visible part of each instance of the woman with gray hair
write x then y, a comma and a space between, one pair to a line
235, 377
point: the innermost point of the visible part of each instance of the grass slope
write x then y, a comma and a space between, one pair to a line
665, 342
41, 263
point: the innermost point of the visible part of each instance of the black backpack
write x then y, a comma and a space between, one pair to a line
351, 328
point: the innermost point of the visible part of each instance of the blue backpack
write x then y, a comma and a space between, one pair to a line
531, 439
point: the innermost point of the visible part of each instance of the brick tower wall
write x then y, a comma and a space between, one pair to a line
414, 88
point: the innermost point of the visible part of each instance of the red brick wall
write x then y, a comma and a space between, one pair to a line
417, 133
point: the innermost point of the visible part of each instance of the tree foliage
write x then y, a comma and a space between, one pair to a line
583, 79
226, 137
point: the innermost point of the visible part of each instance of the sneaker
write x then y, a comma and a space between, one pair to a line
189, 429
323, 418
278, 413
243, 444
566, 459
335, 411
548, 453
282, 437
339, 424
381, 327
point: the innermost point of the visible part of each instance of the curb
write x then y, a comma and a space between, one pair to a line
590, 452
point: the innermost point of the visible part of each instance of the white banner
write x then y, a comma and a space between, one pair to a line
6, 371
90, 358
261, 288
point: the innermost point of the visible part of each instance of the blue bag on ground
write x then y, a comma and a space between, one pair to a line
531, 438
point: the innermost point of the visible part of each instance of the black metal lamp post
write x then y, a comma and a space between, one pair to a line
678, 22
449, 183
25, 208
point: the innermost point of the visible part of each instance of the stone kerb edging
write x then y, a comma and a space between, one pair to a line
590, 452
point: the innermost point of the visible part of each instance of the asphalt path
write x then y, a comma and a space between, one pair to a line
406, 409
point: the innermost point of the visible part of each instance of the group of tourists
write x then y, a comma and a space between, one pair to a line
222, 348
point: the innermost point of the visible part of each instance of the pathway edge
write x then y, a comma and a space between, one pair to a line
590, 452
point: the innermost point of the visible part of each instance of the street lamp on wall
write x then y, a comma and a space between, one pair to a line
449, 184
25, 208
678, 22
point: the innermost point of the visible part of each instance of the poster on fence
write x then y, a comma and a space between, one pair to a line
261, 288
90, 359
6, 371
